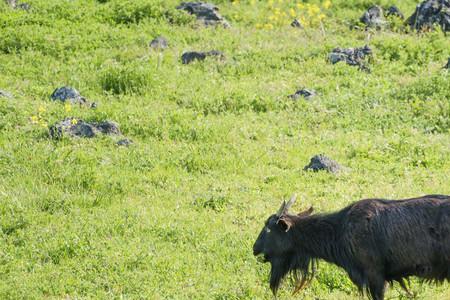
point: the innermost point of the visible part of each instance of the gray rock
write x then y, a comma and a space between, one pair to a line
429, 13
394, 11
351, 56
321, 162
71, 95
5, 94
207, 13
189, 57
159, 43
305, 93
74, 127
447, 66
107, 127
124, 142
23, 6
16, 5
68, 94
296, 23
374, 17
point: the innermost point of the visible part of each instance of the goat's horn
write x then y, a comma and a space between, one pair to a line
289, 204
281, 210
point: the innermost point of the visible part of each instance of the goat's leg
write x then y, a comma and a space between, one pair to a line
377, 287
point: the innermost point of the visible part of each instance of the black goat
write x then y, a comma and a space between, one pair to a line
374, 240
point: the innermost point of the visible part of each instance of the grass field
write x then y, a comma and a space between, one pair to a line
217, 144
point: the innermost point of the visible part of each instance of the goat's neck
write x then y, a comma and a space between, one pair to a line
317, 235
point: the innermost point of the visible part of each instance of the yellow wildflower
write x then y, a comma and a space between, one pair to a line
74, 122
67, 107
327, 4
41, 109
34, 119
313, 9
304, 22
300, 6
292, 12
268, 26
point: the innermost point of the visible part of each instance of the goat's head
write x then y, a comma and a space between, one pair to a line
275, 243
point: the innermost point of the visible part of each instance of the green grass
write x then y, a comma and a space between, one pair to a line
217, 144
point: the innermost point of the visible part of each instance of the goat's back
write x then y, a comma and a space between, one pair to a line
401, 237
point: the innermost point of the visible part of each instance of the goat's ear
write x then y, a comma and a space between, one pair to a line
306, 212
285, 224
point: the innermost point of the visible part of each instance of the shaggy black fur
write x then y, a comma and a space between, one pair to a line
374, 240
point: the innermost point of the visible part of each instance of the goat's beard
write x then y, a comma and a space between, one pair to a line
302, 269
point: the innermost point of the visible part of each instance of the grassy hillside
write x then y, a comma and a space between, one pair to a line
217, 144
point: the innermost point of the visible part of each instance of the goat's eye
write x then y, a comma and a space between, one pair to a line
267, 229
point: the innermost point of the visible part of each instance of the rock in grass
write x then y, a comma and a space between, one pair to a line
16, 5
447, 66
207, 13
351, 56
69, 94
23, 6
107, 127
374, 17
296, 24
321, 162
394, 11
159, 43
303, 93
5, 94
430, 13
124, 142
74, 127
192, 56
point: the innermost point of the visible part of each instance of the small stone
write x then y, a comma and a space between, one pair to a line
124, 142
296, 24
23, 6
217, 53
305, 93
374, 17
321, 162
107, 127
352, 56
189, 57
205, 12
429, 13
16, 5
159, 43
5, 94
394, 11
68, 94
74, 127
